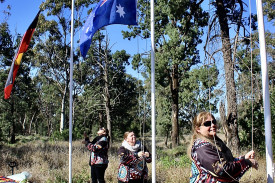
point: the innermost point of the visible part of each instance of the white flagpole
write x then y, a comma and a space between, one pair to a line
265, 81
71, 93
153, 93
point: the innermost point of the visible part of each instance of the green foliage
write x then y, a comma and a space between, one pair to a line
175, 157
6, 48
81, 177
182, 161
58, 179
163, 108
269, 10
57, 135
194, 95
178, 27
37, 97
245, 121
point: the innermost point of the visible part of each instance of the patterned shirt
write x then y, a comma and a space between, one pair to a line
99, 150
214, 166
131, 166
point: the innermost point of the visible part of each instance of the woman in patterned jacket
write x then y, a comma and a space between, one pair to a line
133, 159
99, 154
212, 160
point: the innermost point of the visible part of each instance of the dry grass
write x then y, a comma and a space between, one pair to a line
49, 162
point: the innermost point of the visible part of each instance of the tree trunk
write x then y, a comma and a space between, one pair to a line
62, 117
174, 86
232, 136
30, 126
166, 138
12, 133
223, 120
107, 102
100, 116
24, 124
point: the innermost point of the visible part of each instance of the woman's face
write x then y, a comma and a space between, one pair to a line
131, 138
101, 132
208, 127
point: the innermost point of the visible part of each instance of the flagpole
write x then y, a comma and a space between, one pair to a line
71, 92
265, 81
153, 92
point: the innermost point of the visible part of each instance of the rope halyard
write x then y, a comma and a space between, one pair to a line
252, 97
142, 120
251, 61
209, 95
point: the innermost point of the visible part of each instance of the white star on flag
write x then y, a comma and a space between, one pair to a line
120, 11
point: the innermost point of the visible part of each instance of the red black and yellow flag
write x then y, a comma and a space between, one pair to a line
17, 58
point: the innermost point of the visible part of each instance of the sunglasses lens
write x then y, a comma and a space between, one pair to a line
208, 123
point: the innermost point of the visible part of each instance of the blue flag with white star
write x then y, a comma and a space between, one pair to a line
105, 13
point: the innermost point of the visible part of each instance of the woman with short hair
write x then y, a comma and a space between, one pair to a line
134, 157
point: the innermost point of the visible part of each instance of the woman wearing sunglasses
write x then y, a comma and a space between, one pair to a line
212, 160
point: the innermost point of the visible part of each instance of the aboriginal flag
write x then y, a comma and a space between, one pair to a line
18, 56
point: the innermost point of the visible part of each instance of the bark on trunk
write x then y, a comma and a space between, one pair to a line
12, 132
100, 116
108, 115
223, 120
232, 136
174, 85
62, 117
107, 102
166, 138
30, 126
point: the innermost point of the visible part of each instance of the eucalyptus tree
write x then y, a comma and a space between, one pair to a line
232, 32
53, 47
6, 53
178, 28
269, 10
199, 92
249, 90
228, 13
108, 90
164, 126
17, 108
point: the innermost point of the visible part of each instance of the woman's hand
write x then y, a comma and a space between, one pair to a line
85, 135
250, 155
146, 154
98, 146
254, 163
140, 153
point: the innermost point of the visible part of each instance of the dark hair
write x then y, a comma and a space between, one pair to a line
107, 136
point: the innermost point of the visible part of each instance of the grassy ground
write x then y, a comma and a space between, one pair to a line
48, 162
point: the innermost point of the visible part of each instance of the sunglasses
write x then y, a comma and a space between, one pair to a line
208, 123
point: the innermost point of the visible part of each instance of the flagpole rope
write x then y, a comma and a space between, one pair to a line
252, 97
251, 70
209, 95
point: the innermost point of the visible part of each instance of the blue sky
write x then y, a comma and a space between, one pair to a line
24, 11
